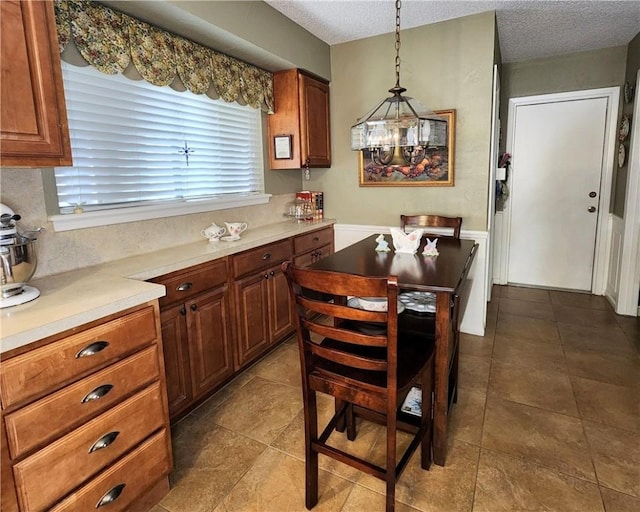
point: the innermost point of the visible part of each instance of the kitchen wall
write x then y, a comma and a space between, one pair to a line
631, 71
22, 191
578, 71
444, 65
250, 30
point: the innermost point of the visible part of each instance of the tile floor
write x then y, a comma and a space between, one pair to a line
548, 418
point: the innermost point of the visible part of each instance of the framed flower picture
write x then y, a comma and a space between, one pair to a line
436, 170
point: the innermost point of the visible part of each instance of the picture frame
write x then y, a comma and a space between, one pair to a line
436, 170
282, 147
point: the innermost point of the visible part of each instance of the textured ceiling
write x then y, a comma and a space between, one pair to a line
527, 29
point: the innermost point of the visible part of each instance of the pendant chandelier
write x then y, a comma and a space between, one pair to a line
398, 130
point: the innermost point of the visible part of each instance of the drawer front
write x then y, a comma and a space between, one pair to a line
261, 257
125, 481
313, 240
308, 258
54, 415
49, 474
183, 285
47, 368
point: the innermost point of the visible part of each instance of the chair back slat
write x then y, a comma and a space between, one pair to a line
345, 335
339, 311
408, 222
348, 359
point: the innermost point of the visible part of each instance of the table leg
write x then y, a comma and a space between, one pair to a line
440, 409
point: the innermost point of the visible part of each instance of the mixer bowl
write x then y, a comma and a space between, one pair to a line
18, 263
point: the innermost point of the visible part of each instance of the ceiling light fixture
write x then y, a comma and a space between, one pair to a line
398, 130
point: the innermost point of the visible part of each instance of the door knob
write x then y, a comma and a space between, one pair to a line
592, 194
591, 209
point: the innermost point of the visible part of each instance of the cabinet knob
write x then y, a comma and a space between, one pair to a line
104, 441
97, 393
183, 311
110, 496
193, 307
272, 273
266, 276
316, 238
93, 349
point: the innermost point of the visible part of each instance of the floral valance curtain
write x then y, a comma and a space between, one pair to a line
111, 42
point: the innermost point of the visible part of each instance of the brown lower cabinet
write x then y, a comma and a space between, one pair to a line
85, 418
263, 312
196, 333
219, 317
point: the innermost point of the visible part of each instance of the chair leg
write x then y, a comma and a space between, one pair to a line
427, 417
310, 455
341, 424
391, 462
351, 423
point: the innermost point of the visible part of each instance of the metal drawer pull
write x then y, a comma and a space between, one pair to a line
97, 393
184, 287
266, 256
111, 495
93, 349
316, 238
104, 441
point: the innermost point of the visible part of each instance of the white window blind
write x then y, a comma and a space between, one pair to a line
134, 143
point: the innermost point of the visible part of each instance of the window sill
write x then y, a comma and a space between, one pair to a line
92, 219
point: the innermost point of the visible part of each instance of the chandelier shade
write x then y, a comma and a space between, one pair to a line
398, 122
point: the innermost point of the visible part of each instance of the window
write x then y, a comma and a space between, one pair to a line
138, 145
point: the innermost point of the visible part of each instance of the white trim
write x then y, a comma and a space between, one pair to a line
601, 253
491, 193
630, 262
474, 319
156, 211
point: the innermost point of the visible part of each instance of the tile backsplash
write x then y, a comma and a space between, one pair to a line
22, 191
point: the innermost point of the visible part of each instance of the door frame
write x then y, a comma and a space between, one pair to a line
627, 302
601, 253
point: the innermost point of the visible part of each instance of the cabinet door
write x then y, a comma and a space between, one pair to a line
280, 311
252, 324
210, 345
33, 121
314, 122
176, 358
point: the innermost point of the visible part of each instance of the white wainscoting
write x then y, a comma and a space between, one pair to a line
616, 228
474, 319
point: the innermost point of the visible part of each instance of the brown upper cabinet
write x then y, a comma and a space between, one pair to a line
302, 115
33, 121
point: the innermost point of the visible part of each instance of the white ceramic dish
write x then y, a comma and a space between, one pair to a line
230, 238
372, 304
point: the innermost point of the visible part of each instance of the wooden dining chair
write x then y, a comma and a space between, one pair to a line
432, 221
368, 371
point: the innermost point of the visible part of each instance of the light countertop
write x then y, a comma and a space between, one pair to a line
74, 298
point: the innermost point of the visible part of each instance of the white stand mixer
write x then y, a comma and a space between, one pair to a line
18, 261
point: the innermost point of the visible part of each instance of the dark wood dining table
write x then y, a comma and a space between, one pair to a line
445, 275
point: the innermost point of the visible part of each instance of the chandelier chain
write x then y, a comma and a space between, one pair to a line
397, 43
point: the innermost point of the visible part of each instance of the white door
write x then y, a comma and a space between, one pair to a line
557, 163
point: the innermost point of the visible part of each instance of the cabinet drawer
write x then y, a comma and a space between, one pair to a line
261, 257
52, 416
184, 284
50, 473
60, 362
125, 481
308, 258
313, 240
